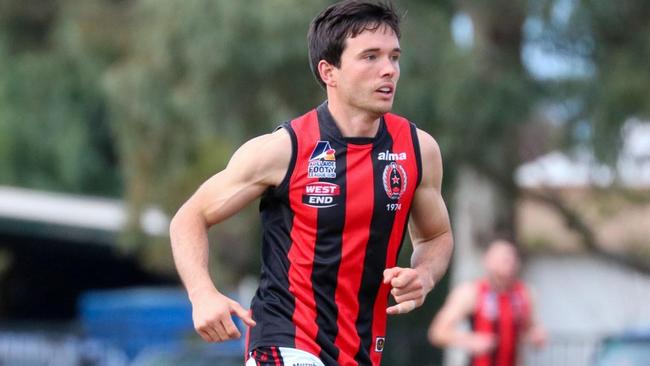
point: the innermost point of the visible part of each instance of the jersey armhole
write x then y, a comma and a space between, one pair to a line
284, 185
416, 149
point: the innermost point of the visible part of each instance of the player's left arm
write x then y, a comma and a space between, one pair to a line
535, 333
430, 233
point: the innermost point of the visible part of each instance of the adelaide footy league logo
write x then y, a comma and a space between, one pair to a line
322, 163
394, 179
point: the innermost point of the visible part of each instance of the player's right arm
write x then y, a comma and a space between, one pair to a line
535, 333
445, 328
257, 165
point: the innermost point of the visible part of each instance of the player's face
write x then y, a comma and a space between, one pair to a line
369, 71
502, 264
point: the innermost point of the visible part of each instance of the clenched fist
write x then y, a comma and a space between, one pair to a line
212, 316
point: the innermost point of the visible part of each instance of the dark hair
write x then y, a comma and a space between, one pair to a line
329, 30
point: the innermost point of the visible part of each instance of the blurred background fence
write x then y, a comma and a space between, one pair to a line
22, 349
565, 349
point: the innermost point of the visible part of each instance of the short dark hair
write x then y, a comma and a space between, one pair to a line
329, 29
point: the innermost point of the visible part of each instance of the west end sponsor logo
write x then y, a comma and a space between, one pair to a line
389, 156
322, 188
322, 162
321, 194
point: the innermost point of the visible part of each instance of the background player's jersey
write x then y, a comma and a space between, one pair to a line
330, 229
503, 314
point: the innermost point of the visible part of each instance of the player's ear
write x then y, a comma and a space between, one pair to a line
326, 72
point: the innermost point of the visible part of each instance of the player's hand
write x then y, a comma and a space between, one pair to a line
409, 288
537, 337
480, 343
211, 313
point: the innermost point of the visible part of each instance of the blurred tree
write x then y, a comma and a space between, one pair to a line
46, 101
491, 110
27, 24
171, 89
483, 96
196, 80
609, 45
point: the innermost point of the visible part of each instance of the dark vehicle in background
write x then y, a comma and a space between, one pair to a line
631, 348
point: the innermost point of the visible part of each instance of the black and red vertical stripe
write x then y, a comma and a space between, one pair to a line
503, 315
323, 257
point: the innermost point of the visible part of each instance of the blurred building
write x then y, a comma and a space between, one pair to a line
55, 246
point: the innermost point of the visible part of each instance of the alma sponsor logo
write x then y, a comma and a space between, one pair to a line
389, 156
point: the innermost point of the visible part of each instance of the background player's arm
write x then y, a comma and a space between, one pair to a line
258, 164
430, 233
535, 332
445, 329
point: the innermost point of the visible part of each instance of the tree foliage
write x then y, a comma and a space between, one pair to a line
46, 104
145, 99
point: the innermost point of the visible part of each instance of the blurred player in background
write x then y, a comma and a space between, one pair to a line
499, 308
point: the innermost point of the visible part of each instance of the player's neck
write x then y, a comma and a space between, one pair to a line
501, 286
354, 122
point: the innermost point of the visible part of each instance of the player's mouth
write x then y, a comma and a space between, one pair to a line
386, 89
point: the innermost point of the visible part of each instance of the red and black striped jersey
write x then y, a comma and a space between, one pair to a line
505, 315
330, 229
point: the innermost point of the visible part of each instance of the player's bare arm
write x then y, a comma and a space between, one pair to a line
445, 328
258, 164
430, 233
535, 333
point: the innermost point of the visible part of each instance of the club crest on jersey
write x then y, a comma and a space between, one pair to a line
322, 163
394, 179
321, 194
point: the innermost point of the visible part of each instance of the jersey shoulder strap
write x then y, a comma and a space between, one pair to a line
299, 128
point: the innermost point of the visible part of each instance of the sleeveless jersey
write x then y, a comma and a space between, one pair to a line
505, 315
329, 230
